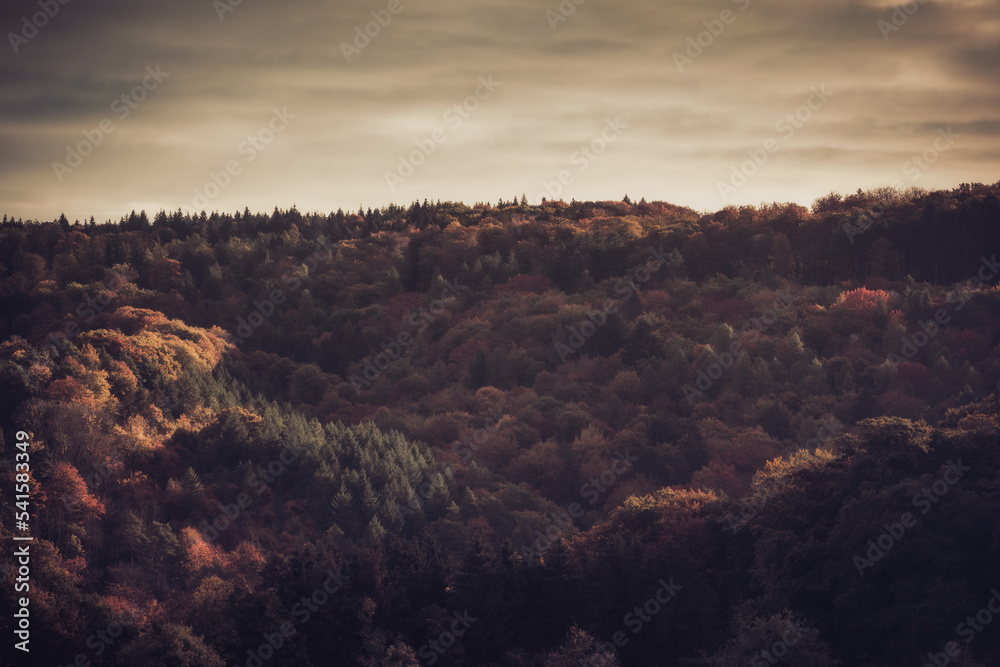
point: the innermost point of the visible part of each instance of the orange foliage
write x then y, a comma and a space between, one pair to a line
137, 434
776, 472
980, 422
121, 378
171, 344
665, 517
613, 231
65, 482
69, 390
864, 301
656, 301
199, 554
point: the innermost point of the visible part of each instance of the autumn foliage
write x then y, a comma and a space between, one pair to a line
223, 428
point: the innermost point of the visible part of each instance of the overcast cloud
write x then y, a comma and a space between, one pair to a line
889, 95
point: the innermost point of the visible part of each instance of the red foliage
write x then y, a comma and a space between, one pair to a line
65, 482
656, 301
165, 273
69, 390
200, 555
400, 307
480, 527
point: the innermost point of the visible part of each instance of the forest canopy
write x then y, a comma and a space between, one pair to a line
601, 433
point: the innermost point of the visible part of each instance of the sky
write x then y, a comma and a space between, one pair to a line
113, 106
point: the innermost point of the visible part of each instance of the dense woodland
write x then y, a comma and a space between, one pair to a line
587, 433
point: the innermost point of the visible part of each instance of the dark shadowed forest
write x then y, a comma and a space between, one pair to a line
589, 433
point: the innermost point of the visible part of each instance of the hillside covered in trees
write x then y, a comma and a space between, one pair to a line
587, 433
